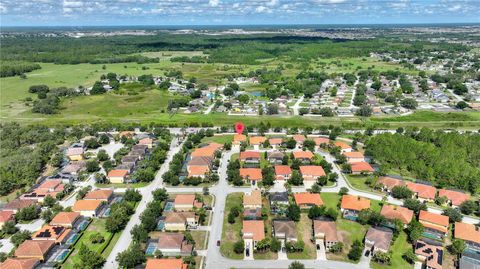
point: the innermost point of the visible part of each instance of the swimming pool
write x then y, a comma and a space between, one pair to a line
63, 254
151, 248
83, 225
168, 206
160, 225
107, 212
72, 239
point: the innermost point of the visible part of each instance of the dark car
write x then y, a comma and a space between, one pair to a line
367, 253
218, 243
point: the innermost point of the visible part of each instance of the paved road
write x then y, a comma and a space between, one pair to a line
296, 106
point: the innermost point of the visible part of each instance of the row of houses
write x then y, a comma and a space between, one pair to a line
201, 161
129, 162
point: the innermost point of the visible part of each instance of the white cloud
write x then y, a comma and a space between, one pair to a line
330, 1
272, 3
455, 8
213, 3
260, 9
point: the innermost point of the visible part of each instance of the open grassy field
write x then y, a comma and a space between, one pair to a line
199, 238
231, 232
304, 233
221, 139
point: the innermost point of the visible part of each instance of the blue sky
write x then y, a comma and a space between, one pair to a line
223, 12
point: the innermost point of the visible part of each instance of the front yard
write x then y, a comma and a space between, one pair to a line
304, 233
199, 238
231, 232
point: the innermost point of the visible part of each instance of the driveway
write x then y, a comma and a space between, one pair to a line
321, 253
282, 254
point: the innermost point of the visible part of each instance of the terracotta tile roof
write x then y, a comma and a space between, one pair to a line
390, 182
204, 152
253, 229
303, 154
65, 218
118, 173
362, 167
249, 155
251, 173
170, 240
354, 202
253, 199
455, 196
328, 228
393, 212
312, 170
214, 145
432, 253
239, 138
321, 140
48, 232
195, 171
256, 140
467, 232
178, 217
86, 205
353, 154
12, 263
299, 138
281, 170
33, 248
74, 151
19, 204
433, 221
306, 198
145, 141
423, 191
184, 199
50, 184
342, 145
127, 133
99, 194
200, 161
165, 264
275, 141
382, 238
6, 215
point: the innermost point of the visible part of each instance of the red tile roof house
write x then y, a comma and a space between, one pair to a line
174, 244
250, 157
468, 233
12, 263
100, 194
351, 205
379, 239
361, 168
65, 219
325, 232
275, 143
252, 232
251, 175
57, 234
344, 147
310, 174
307, 200
299, 139
257, 141
305, 156
6, 216
88, 208
47, 188
238, 139
34, 249
392, 212
282, 172
388, 183
454, 198
146, 141
117, 175
18, 204
354, 157
275, 157
166, 264
422, 192
198, 171
202, 161
186, 202
436, 226
429, 254
319, 141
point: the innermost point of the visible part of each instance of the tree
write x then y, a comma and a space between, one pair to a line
415, 205
102, 155
160, 194
457, 247
291, 143
468, 207
104, 139
92, 166
49, 201
414, 230
239, 246
401, 192
20, 237
337, 247
462, 105
453, 215
28, 213
97, 238
243, 98
139, 234
364, 111
409, 256
97, 88
92, 143
132, 195
275, 245
296, 265
409, 103
131, 257
296, 179
293, 212
9, 227
382, 257
343, 191
356, 251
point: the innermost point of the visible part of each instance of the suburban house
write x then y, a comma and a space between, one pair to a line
253, 231
133, 159
307, 199
430, 253
278, 202
75, 153
146, 141
88, 208
74, 168
180, 221
202, 161
282, 172
285, 230
251, 175
47, 188
34, 249
166, 264
65, 219
304, 156
126, 166
237, 140
275, 157
174, 244
250, 158
18, 204
204, 152
57, 234
6, 216
311, 173
12, 263
361, 168
140, 150
252, 200
117, 175
351, 205
257, 141
393, 212
325, 232
378, 239
319, 141
198, 171
388, 183
275, 143
299, 139
436, 226
454, 198
344, 147
99, 194
422, 192
186, 202
468, 233
354, 157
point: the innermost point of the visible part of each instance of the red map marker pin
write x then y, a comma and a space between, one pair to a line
239, 127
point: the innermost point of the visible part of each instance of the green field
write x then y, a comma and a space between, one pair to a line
231, 232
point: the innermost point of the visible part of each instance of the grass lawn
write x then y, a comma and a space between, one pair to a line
348, 231
9, 197
330, 200
231, 232
122, 185
221, 139
360, 182
199, 237
96, 226
398, 249
304, 233
269, 255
